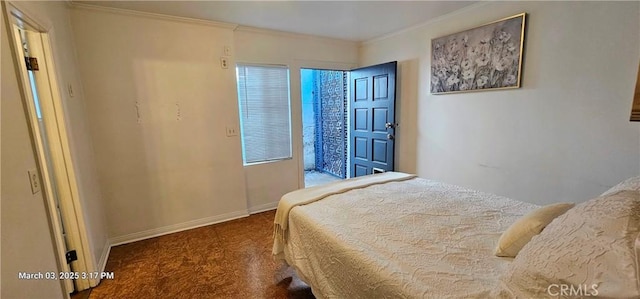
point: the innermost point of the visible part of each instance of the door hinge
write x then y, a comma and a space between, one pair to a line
71, 256
32, 63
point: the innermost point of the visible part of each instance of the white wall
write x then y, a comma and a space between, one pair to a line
27, 245
158, 103
564, 136
267, 182
159, 173
55, 15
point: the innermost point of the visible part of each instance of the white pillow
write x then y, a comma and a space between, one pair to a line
628, 184
529, 225
590, 250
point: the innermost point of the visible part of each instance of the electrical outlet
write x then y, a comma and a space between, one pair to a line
34, 179
232, 131
224, 63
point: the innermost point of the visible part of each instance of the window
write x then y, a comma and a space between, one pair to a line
265, 116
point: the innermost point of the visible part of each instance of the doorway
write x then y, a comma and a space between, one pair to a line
348, 122
55, 176
324, 98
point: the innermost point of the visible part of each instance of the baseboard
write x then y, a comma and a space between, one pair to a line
102, 263
165, 230
105, 256
263, 207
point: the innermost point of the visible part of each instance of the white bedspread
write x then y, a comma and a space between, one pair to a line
309, 195
411, 239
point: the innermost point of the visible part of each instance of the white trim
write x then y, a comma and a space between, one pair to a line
429, 22
102, 263
150, 15
62, 164
174, 228
55, 223
225, 25
263, 207
317, 65
325, 65
19, 11
78, 224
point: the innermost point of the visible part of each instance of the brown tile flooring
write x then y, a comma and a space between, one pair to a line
225, 260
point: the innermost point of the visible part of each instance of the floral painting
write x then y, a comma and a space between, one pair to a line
485, 57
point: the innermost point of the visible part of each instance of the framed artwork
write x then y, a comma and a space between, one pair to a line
635, 107
488, 57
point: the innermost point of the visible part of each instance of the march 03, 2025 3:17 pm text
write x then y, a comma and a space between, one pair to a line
50, 275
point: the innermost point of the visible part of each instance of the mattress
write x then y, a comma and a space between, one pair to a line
411, 239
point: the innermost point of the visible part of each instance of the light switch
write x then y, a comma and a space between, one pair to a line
227, 51
34, 179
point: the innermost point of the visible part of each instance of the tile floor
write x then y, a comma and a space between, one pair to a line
314, 178
226, 260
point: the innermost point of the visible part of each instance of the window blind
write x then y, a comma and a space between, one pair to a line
265, 116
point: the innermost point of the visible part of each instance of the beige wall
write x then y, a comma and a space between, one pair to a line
158, 103
266, 183
160, 173
564, 136
27, 245
55, 15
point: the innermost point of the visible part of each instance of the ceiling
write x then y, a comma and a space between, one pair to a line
347, 20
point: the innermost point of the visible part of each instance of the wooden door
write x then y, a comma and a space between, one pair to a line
372, 112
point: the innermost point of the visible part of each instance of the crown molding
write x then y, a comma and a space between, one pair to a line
242, 28
150, 15
429, 22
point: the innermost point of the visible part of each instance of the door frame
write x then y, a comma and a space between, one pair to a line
318, 65
346, 133
62, 162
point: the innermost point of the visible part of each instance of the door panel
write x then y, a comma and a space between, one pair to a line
380, 119
372, 128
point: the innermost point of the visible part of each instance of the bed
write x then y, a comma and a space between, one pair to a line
398, 236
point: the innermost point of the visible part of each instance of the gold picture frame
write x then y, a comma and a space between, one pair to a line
635, 107
488, 57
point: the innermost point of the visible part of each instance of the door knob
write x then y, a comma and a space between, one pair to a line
390, 136
389, 125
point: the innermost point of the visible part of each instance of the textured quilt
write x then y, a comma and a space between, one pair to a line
412, 239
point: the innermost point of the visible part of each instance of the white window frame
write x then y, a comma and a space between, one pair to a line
240, 111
